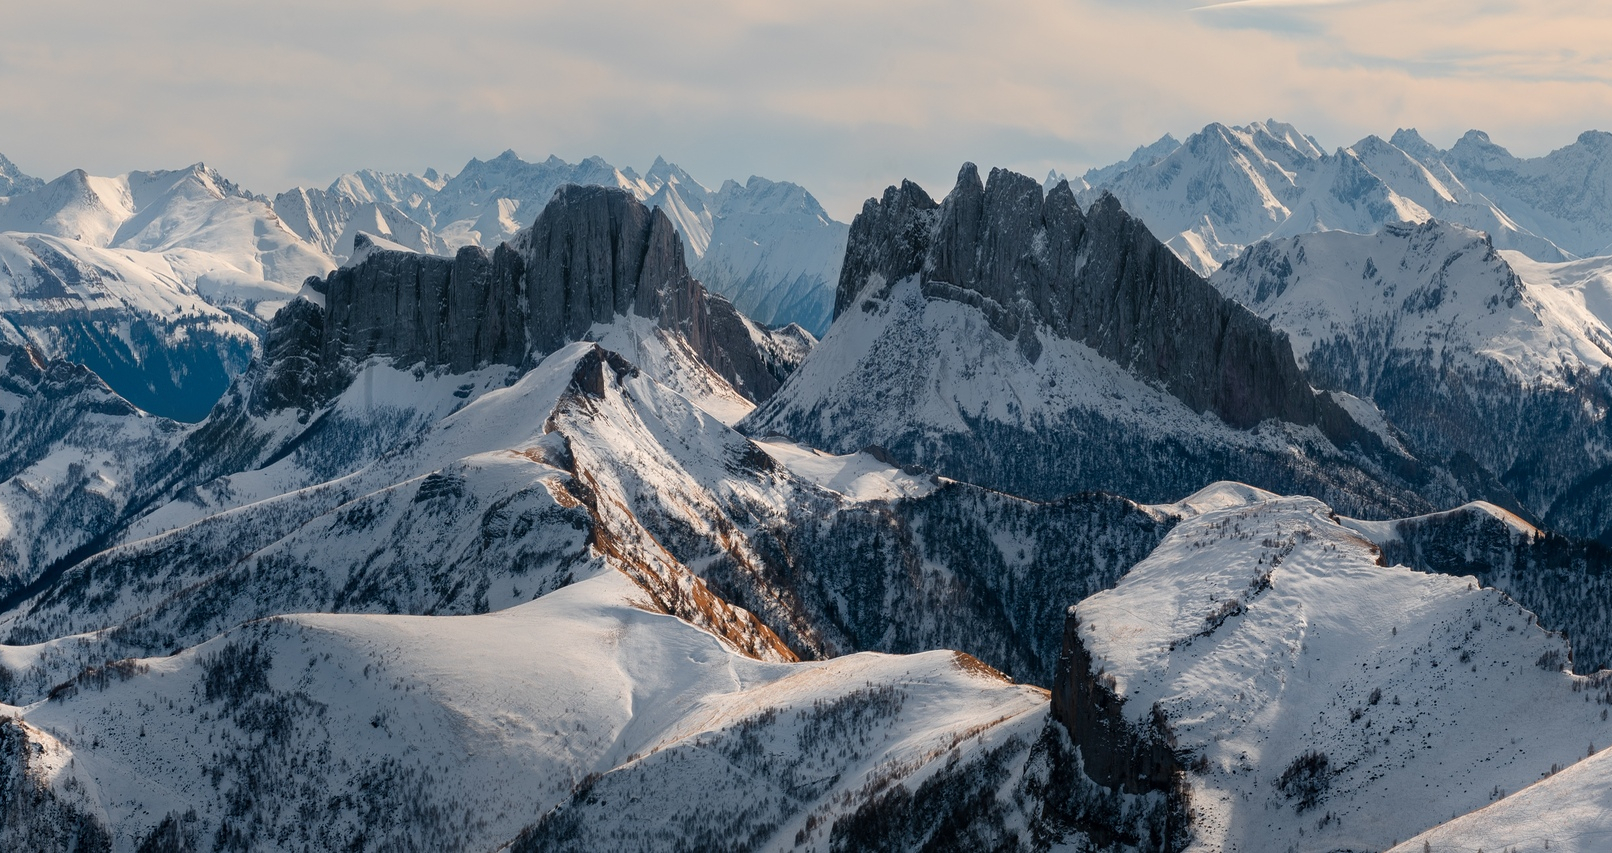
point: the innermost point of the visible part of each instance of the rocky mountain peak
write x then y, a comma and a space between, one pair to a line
594, 255
887, 241
1036, 264
1411, 141
13, 181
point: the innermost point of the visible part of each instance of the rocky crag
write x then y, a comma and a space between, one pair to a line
1071, 301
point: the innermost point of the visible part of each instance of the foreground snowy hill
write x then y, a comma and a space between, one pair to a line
1226, 188
1477, 354
769, 247
418, 731
1315, 698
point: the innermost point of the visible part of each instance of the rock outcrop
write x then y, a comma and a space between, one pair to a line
593, 256
1100, 278
1115, 752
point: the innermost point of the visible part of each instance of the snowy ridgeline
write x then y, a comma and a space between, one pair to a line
1227, 188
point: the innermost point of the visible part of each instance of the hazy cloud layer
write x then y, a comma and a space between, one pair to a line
844, 97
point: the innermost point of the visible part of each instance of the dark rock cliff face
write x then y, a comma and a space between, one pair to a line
460, 313
1116, 752
889, 238
1100, 278
595, 254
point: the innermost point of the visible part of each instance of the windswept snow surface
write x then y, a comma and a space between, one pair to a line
1570, 812
460, 731
1268, 632
857, 476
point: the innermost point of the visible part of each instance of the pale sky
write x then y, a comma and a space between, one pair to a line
842, 96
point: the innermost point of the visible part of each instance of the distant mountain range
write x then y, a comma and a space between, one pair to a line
1226, 188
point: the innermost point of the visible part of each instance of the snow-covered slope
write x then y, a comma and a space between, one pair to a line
1475, 353
1318, 700
1567, 582
1571, 811
159, 281
72, 454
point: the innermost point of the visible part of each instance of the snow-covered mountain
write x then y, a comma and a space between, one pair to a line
1566, 811
1226, 188
1221, 189
1563, 195
226, 243
1477, 354
767, 246
159, 281
1312, 697
979, 335
13, 181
